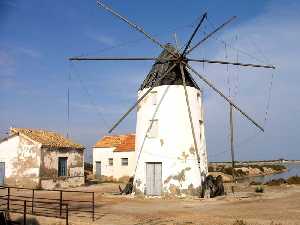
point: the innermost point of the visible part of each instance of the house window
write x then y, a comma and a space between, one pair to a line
154, 97
62, 166
110, 161
153, 129
124, 161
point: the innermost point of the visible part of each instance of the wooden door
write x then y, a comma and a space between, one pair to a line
98, 169
2, 172
153, 178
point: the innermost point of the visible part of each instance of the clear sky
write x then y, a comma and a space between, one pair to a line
37, 37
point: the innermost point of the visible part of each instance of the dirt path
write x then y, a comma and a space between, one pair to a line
280, 205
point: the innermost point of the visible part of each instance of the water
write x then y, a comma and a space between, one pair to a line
293, 170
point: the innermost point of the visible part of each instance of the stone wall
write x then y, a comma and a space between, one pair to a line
49, 168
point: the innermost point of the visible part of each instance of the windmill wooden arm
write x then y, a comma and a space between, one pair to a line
135, 26
223, 96
193, 35
112, 58
231, 63
210, 34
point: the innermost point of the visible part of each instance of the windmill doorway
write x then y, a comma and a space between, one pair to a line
153, 178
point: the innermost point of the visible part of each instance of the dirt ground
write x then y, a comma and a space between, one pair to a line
276, 206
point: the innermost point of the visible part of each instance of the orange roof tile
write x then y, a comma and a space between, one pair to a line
47, 138
122, 143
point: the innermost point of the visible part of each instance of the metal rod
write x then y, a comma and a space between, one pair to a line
67, 214
212, 33
93, 199
141, 98
112, 58
232, 143
190, 118
32, 205
136, 27
8, 198
25, 211
223, 96
193, 34
60, 202
230, 63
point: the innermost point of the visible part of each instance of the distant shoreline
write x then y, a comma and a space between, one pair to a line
256, 162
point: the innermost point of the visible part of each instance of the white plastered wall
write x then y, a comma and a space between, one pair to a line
124, 171
102, 155
174, 145
117, 170
22, 161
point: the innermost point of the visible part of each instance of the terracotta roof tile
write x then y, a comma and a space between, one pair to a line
122, 143
47, 138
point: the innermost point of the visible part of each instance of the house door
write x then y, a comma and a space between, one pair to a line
153, 178
2, 172
98, 169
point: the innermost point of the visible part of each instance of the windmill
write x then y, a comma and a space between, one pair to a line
170, 142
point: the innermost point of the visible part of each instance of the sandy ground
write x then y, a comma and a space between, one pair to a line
276, 206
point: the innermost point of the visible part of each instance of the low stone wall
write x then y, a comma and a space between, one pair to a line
62, 182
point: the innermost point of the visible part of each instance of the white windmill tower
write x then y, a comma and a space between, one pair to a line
167, 151
170, 140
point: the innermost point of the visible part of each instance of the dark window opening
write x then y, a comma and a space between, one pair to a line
62, 166
110, 161
124, 161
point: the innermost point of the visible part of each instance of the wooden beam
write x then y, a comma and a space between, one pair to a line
111, 58
231, 63
193, 35
141, 98
223, 96
191, 119
135, 26
212, 33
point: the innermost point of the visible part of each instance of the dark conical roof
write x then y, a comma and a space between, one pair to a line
172, 78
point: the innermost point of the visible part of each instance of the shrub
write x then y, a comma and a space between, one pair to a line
239, 222
293, 180
276, 182
259, 189
255, 183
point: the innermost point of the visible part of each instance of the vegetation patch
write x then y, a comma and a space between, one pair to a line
239, 222
276, 182
293, 180
259, 189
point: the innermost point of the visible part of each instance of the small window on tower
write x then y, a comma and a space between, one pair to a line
154, 97
153, 130
201, 129
199, 97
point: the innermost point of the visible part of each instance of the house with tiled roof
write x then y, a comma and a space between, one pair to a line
114, 157
40, 159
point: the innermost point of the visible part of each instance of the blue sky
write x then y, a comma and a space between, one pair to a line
37, 37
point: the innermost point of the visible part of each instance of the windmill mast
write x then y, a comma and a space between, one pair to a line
232, 142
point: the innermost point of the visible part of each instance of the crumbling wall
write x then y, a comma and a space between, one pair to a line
49, 168
22, 161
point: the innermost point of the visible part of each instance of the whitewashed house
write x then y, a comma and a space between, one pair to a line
165, 151
40, 159
114, 157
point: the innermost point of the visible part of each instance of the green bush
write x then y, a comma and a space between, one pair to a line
259, 189
239, 222
293, 180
